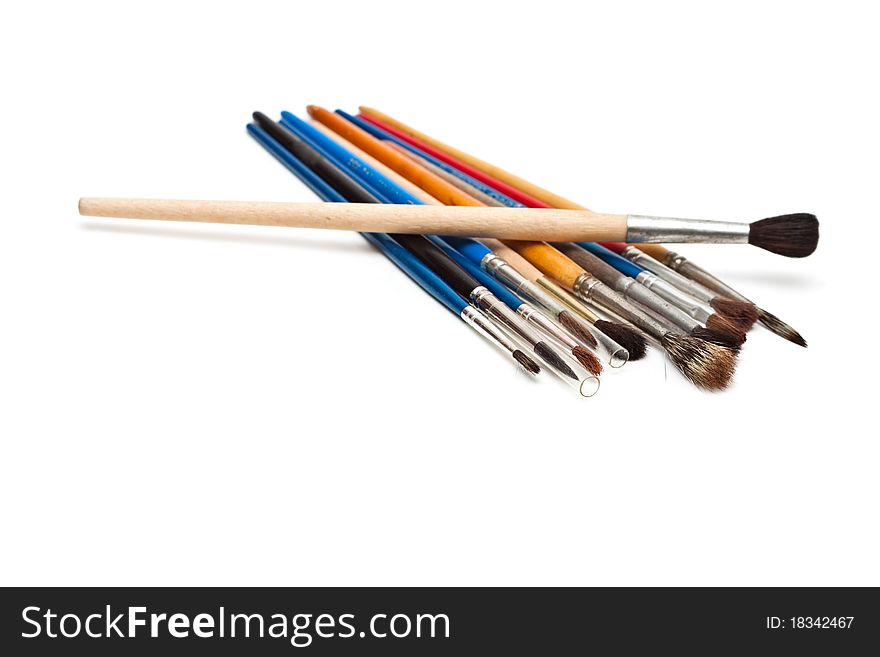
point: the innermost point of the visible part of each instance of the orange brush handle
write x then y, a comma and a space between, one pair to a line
548, 260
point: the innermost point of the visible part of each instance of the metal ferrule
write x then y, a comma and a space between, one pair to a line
547, 326
585, 286
507, 274
668, 274
643, 228
485, 327
590, 289
483, 299
570, 301
653, 302
681, 300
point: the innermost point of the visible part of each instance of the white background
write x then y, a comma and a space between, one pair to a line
187, 404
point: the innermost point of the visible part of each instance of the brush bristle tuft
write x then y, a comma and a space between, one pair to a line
780, 328
588, 360
791, 235
576, 327
552, 358
705, 364
525, 362
723, 325
628, 338
742, 313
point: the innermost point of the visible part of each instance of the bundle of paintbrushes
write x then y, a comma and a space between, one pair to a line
552, 284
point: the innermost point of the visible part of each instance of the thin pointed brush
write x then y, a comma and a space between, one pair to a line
532, 315
458, 279
706, 364
721, 331
549, 199
411, 266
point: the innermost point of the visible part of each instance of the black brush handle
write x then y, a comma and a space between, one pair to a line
324, 168
445, 267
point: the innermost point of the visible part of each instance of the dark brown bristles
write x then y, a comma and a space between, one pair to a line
525, 362
742, 313
626, 337
792, 235
721, 338
705, 364
726, 326
551, 357
780, 328
576, 327
588, 360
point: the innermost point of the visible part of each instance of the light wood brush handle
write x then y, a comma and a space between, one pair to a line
503, 223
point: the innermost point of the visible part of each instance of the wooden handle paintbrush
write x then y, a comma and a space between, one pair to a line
502, 223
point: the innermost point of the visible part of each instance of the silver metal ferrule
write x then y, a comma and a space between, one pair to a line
644, 297
483, 299
606, 298
667, 273
547, 326
507, 274
681, 300
485, 327
643, 228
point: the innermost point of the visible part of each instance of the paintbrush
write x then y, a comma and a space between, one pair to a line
549, 199
458, 279
721, 331
410, 265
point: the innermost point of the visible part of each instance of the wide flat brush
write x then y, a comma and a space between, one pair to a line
411, 266
354, 191
670, 258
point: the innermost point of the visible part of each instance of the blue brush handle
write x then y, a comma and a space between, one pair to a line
380, 185
495, 287
379, 133
471, 249
406, 261
620, 263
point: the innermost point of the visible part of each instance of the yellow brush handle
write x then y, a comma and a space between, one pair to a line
503, 223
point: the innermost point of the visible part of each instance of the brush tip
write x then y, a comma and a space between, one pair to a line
525, 362
577, 328
780, 328
732, 333
742, 313
707, 365
792, 235
626, 337
553, 359
587, 359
